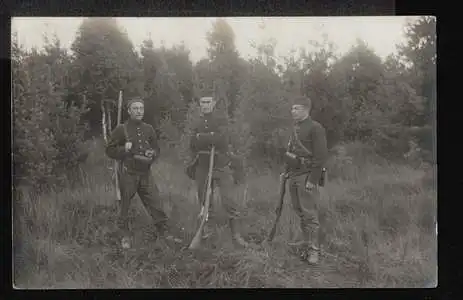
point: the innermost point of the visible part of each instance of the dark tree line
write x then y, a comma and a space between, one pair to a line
59, 96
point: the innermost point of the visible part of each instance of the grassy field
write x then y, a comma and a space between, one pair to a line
378, 222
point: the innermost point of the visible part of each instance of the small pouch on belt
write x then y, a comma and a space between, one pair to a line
146, 158
142, 158
292, 160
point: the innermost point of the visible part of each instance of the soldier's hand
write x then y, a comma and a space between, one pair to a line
309, 186
149, 153
128, 146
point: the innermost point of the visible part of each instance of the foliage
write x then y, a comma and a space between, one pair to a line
167, 83
377, 221
264, 110
356, 96
420, 57
105, 63
377, 216
225, 65
48, 132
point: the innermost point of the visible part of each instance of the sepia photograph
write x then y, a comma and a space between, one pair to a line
224, 152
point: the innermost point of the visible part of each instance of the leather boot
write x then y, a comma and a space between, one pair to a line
305, 251
312, 255
311, 250
125, 242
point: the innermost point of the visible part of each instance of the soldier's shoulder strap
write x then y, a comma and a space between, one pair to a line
155, 132
150, 127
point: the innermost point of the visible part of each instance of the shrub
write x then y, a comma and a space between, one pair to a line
48, 133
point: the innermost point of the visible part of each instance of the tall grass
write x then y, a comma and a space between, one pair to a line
377, 219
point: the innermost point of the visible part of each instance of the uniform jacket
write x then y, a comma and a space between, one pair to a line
142, 136
313, 137
206, 124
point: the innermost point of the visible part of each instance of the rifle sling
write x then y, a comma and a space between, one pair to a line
299, 143
126, 136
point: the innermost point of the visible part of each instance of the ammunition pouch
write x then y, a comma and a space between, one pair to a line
205, 140
295, 162
292, 160
143, 159
323, 179
235, 164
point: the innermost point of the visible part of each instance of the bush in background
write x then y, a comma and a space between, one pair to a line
48, 133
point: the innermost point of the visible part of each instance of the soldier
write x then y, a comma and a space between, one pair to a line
210, 130
135, 144
305, 158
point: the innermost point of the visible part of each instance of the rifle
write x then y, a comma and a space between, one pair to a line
283, 179
205, 208
117, 164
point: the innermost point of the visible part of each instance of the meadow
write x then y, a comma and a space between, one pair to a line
378, 223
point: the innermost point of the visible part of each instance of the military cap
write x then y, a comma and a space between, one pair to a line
133, 100
209, 97
302, 100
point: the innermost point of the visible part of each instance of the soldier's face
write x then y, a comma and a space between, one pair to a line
207, 104
299, 112
137, 111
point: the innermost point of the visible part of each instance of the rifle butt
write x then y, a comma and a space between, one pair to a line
272, 234
196, 242
279, 209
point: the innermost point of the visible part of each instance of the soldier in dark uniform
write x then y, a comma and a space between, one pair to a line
135, 144
305, 159
211, 130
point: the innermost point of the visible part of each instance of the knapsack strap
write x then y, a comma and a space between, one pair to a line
126, 135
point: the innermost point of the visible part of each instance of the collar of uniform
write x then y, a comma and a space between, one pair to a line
307, 119
134, 122
206, 115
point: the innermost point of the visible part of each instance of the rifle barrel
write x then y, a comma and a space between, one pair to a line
197, 238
